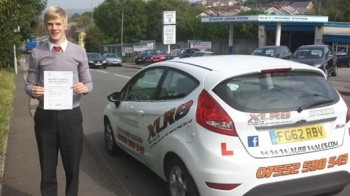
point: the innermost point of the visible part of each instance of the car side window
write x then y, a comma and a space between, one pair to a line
143, 87
176, 85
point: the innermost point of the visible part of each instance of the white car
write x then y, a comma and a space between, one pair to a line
113, 59
233, 125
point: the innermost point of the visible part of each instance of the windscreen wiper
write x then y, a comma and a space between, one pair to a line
315, 102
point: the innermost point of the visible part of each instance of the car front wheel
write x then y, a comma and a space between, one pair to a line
179, 180
111, 145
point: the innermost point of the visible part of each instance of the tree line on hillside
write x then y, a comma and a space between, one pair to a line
141, 21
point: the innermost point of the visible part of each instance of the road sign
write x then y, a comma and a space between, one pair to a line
169, 17
169, 34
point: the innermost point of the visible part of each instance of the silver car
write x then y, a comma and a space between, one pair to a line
113, 59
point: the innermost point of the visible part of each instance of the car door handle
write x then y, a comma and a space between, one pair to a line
140, 112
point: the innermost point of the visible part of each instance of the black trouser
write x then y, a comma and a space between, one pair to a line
59, 131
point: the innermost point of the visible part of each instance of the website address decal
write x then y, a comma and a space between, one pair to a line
301, 149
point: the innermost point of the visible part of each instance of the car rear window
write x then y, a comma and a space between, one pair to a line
282, 91
309, 53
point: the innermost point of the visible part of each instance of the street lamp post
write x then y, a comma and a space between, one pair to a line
122, 28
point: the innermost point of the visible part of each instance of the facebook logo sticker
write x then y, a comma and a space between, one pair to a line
253, 141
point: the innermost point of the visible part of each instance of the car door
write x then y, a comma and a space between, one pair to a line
166, 115
131, 114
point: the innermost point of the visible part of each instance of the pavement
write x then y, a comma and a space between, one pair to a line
21, 170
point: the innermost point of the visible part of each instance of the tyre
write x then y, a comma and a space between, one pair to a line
335, 72
111, 145
179, 180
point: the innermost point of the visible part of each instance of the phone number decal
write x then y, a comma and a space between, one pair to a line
306, 166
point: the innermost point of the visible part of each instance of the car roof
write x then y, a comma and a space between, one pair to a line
314, 46
280, 46
238, 63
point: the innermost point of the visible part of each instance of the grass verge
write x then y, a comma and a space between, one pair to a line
7, 88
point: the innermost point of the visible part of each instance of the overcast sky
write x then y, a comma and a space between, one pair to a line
74, 4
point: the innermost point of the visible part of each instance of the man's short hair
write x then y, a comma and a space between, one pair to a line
55, 12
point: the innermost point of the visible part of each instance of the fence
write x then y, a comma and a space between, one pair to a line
240, 46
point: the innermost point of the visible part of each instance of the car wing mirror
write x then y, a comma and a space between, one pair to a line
114, 97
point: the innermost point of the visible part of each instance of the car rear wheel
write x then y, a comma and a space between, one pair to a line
111, 145
179, 180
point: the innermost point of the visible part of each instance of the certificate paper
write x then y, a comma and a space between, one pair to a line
58, 93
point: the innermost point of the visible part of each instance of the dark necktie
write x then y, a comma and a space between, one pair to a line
57, 48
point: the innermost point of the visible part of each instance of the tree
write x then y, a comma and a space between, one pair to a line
247, 30
13, 14
108, 17
155, 16
94, 38
338, 10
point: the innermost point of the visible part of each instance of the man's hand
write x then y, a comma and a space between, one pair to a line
37, 91
80, 88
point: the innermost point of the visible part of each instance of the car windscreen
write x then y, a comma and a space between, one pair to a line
282, 91
94, 56
264, 52
111, 56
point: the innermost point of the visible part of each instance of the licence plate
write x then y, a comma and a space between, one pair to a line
297, 134
98, 63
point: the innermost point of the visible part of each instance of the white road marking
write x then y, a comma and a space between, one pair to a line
101, 71
122, 76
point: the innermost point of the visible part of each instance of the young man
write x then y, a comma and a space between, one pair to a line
58, 118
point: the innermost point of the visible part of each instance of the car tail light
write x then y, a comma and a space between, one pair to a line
212, 116
348, 107
224, 187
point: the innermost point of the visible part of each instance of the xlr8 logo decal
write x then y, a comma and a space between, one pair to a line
169, 118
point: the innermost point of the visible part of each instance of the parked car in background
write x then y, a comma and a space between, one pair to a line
209, 128
320, 56
145, 56
202, 53
96, 60
281, 52
343, 59
113, 59
161, 56
182, 53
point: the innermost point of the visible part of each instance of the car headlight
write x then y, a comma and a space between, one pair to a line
103, 61
91, 61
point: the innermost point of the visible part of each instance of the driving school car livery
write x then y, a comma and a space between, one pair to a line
301, 149
297, 167
169, 118
274, 118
